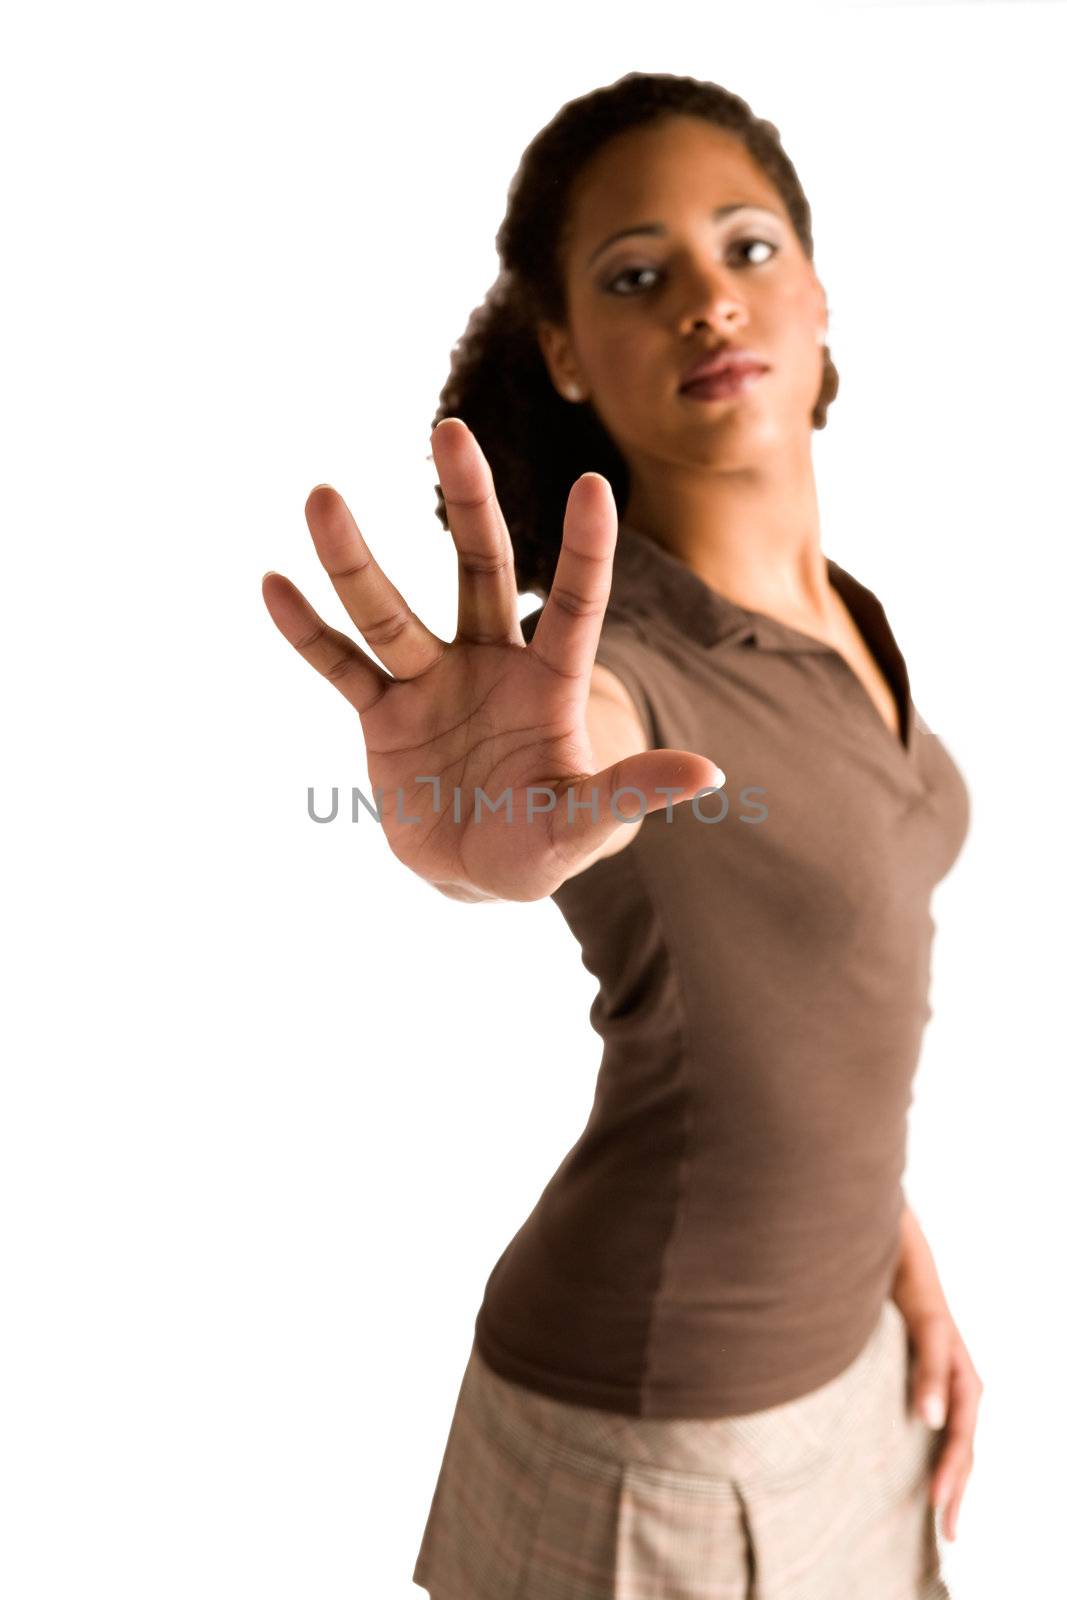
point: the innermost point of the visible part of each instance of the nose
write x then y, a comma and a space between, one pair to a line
709, 298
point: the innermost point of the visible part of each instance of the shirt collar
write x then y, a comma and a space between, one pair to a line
652, 582
649, 580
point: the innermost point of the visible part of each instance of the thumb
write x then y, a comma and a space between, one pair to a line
931, 1370
622, 794
655, 779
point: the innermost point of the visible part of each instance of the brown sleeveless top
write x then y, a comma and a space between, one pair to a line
723, 1233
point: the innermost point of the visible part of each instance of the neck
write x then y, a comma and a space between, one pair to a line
752, 533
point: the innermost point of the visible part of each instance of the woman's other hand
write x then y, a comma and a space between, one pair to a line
944, 1388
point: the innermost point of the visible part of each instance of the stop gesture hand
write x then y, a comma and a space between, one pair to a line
485, 710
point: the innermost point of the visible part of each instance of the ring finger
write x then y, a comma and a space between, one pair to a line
400, 639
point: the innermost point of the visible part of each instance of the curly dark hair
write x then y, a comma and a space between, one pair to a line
537, 444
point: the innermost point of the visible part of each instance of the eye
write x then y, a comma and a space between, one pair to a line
764, 244
629, 273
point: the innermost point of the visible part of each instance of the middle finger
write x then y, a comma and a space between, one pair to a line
488, 610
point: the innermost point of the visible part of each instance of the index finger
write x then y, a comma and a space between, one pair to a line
568, 629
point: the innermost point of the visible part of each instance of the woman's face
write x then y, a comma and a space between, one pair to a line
693, 271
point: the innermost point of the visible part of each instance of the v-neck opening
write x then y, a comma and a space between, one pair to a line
716, 620
884, 650
899, 686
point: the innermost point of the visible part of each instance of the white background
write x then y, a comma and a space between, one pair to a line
272, 1107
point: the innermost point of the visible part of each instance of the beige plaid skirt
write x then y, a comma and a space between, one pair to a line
823, 1498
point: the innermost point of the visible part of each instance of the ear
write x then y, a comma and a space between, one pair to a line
823, 308
559, 357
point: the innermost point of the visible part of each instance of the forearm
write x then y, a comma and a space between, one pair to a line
916, 1279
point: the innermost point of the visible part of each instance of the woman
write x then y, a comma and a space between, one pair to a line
697, 1367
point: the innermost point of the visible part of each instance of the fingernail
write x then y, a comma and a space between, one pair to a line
933, 1409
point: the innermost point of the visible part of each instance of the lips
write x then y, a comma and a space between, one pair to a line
733, 363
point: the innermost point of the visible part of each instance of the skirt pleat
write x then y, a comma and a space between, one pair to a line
822, 1498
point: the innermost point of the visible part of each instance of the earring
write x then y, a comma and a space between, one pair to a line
574, 391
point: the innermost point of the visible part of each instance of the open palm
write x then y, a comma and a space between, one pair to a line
456, 729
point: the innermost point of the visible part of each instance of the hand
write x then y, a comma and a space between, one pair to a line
945, 1389
486, 710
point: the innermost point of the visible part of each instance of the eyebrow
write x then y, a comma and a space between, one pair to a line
658, 228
